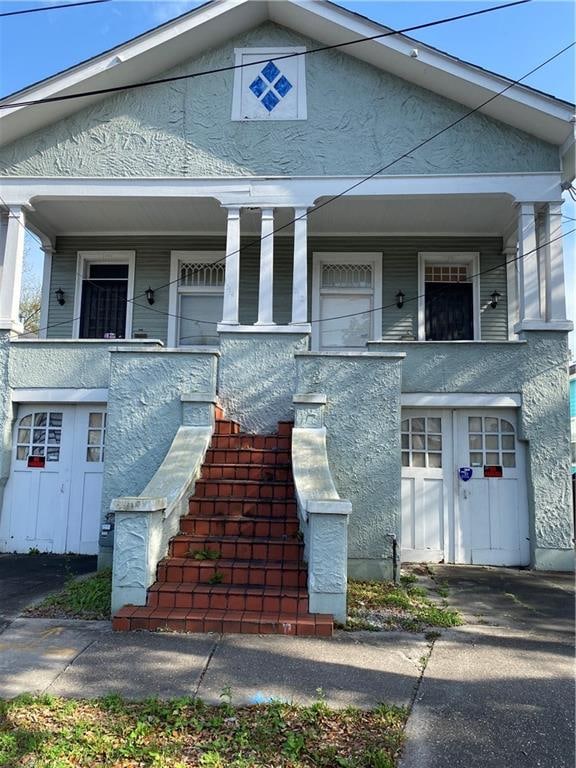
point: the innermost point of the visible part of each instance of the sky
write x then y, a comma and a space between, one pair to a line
510, 41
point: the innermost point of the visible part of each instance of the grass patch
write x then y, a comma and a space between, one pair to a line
80, 599
384, 605
48, 732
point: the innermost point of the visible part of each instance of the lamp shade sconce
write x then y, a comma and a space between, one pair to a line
150, 295
400, 299
60, 296
494, 299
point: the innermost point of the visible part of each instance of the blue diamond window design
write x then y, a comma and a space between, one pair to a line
270, 101
283, 86
270, 71
258, 87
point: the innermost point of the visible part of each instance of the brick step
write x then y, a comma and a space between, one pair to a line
245, 441
184, 570
229, 598
243, 489
248, 622
226, 427
235, 548
216, 506
247, 456
279, 473
248, 527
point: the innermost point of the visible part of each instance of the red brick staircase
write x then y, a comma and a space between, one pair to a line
236, 565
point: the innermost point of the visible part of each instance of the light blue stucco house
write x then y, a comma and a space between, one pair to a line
364, 240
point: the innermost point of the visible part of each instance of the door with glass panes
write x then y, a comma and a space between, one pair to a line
478, 515
53, 496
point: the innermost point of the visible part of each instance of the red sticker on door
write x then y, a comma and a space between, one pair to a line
493, 471
36, 462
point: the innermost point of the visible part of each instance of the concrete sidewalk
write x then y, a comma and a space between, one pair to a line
497, 692
86, 659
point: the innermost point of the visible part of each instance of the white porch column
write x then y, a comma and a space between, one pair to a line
510, 254
300, 267
529, 298
12, 224
266, 286
46, 286
554, 263
232, 271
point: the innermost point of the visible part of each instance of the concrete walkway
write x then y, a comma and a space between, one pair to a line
497, 692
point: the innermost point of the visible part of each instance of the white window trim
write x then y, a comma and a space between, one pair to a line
270, 53
191, 257
319, 258
103, 257
470, 258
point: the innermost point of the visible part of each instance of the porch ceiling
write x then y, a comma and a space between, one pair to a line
450, 214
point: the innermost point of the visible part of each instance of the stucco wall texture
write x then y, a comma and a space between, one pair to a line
359, 119
145, 411
362, 418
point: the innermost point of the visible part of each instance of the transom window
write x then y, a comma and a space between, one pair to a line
491, 441
96, 436
421, 440
347, 276
39, 434
446, 273
197, 275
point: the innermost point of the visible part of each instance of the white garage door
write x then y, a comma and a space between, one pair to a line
463, 488
52, 498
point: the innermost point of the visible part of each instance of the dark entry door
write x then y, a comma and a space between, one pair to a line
103, 309
449, 312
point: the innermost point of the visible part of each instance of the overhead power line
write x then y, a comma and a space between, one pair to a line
52, 7
231, 67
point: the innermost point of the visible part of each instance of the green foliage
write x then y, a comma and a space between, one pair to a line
377, 605
80, 599
47, 732
216, 578
205, 554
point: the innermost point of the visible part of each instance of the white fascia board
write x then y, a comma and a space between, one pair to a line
137, 60
41, 395
435, 70
164, 47
460, 400
266, 192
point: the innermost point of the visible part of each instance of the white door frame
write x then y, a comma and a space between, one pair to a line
472, 260
352, 257
84, 259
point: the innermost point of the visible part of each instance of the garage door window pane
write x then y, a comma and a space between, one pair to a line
422, 442
96, 436
495, 443
39, 441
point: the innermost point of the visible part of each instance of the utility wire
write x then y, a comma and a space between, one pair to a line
336, 317
52, 7
377, 172
231, 67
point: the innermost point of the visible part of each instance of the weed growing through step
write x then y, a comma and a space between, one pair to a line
205, 554
384, 605
84, 598
45, 731
216, 578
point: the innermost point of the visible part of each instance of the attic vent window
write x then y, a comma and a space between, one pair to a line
269, 88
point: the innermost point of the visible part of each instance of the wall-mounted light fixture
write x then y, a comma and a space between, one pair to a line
60, 296
494, 299
150, 295
400, 299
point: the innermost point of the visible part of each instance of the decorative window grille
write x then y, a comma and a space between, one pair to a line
39, 434
446, 273
96, 436
422, 442
347, 276
196, 275
491, 441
